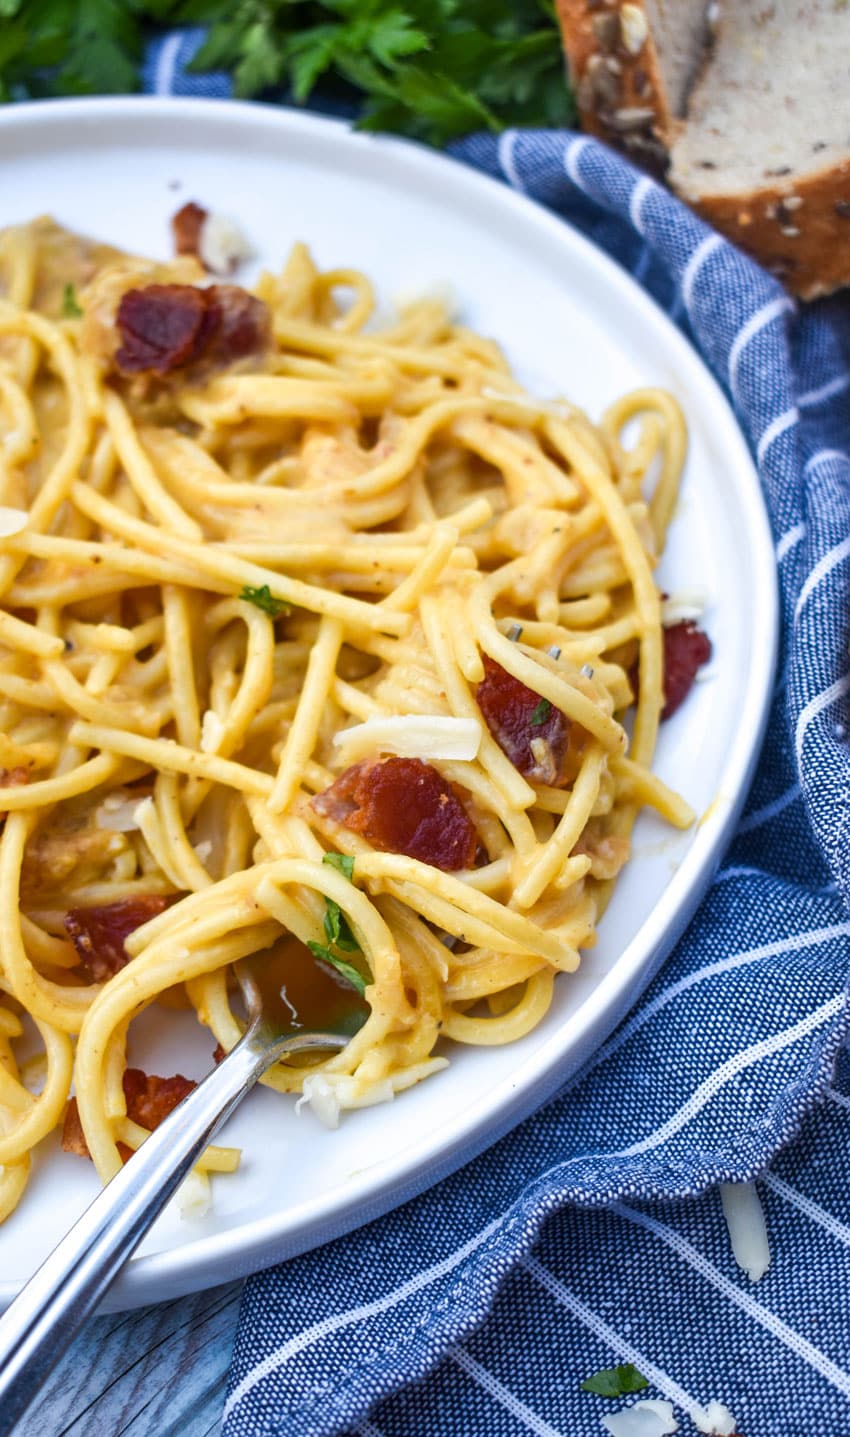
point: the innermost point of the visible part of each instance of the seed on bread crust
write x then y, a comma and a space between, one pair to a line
631, 117
842, 209
784, 211
634, 28
606, 30
605, 86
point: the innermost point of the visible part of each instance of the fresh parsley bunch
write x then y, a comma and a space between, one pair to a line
432, 69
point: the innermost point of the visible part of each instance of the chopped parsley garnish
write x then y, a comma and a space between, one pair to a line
615, 1381
432, 69
70, 307
343, 862
346, 970
541, 713
337, 930
264, 599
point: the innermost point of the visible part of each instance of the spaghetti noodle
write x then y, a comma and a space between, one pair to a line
317, 641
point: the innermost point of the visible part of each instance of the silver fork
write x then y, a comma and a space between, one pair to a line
43, 1320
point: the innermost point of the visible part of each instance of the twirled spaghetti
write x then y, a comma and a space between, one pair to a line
326, 638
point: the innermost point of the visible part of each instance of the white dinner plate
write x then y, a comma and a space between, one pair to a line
572, 323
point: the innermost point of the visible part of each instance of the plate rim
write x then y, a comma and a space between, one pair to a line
242, 1248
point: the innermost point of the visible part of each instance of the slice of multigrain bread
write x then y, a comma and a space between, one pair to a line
632, 66
744, 103
765, 153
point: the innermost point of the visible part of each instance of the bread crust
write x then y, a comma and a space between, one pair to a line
616, 78
799, 229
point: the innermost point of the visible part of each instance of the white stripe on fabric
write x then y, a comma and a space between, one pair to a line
723, 965
818, 1214
639, 271
744, 870
839, 1098
641, 191
702, 252
790, 539
741, 870
623, 1350
318, 1330
166, 64
730, 1069
572, 155
824, 566
512, 1404
368, 1429
816, 706
507, 159
748, 331
775, 428
769, 810
769, 1320
826, 391
822, 455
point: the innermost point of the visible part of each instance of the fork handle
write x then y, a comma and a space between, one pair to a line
42, 1321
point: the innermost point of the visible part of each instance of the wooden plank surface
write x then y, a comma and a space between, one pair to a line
155, 1372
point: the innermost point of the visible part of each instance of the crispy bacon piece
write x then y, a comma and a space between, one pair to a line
98, 934
242, 325
607, 851
73, 1138
14, 777
403, 805
164, 327
532, 732
187, 225
149, 1100
686, 649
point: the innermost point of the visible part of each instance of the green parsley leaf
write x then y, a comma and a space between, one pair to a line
337, 928
431, 69
342, 862
346, 970
615, 1381
541, 713
70, 307
264, 599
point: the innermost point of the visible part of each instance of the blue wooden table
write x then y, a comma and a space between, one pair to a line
154, 1372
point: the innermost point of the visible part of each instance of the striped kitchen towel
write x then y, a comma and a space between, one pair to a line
592, 1235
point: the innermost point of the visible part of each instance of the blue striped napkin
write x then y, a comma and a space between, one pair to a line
593, 1234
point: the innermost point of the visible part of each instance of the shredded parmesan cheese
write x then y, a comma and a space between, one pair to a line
12, 521
714, 1419
684, 604
643, 1419
222, 246
329, 1093
194, 1196
425, 736
142, 812
117, 814
744, 1216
